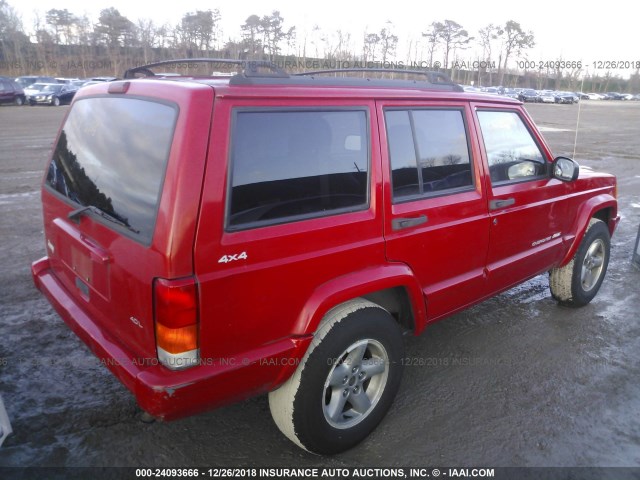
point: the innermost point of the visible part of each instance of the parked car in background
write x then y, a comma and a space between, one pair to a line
77, 83
66, 81
27, 80
626, 96
529, 95
491, 90
612, 96
595, 96
33, 89
564, 97
547, 97
510, 93
90, 82
11, 92
53, 94
104, 79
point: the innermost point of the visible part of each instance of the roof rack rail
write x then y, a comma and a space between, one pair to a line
432, 77
250, 68
262, 72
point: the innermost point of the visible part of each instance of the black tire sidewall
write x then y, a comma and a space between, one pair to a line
312, 429
597, 231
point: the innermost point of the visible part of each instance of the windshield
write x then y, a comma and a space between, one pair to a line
111, 155
51, 88
36, 87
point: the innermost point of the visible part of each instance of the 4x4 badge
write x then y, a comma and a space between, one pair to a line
232, 258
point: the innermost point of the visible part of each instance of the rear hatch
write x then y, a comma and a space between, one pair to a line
120, 198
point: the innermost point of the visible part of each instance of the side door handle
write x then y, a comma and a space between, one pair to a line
497, 204
400, 223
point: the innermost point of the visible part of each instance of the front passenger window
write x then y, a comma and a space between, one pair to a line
512, 153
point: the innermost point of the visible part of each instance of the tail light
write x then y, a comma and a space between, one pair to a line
176, 322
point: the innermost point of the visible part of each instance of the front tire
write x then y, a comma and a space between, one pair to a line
55, 101
346, 381
578, 282
19, 101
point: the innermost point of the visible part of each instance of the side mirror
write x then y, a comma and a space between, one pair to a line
565, 169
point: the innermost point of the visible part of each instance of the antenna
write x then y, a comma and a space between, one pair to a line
575, 140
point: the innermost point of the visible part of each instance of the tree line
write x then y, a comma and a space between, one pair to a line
61, 42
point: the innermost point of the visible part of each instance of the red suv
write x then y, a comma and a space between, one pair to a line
216, 238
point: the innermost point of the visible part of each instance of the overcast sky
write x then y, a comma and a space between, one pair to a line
561, 30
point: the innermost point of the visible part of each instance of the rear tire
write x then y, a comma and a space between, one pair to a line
19, 101
578, 282
346, 381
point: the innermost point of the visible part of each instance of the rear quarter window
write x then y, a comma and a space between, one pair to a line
112, 154
293, 165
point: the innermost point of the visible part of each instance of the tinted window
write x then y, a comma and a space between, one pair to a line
512, 153
428, 150
112, 154
295, 164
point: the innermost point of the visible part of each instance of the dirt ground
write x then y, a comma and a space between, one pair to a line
515, 381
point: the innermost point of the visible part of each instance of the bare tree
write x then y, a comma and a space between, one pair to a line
199, 29
63, 23
12, 37
274, 32
487, 38
515, 40
370, 48
453, 37
433, 36
388, 42
451, 159
251, 31
114, 29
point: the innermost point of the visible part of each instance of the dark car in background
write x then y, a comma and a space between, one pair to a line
11, 92
53, 94
564, 97
28, 80
529, 95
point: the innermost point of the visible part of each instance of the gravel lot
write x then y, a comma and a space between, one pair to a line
515, 381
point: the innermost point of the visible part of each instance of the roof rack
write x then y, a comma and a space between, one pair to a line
435, 80
261, 72
432, 77
250, 68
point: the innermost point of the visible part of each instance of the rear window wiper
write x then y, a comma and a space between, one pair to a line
74, 216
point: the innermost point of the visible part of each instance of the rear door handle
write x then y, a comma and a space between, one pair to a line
400, 223
497, 204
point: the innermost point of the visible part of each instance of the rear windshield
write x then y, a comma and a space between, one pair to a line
111, 155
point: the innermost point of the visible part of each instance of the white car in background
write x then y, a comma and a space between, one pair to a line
547, 97
595, 96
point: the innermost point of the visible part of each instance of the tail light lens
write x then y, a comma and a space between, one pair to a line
176, 322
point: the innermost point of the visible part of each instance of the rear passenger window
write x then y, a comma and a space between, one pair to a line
429, 152
292, 165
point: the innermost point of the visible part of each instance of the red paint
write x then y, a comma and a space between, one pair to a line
257, 313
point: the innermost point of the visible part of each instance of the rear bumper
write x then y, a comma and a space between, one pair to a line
164, 393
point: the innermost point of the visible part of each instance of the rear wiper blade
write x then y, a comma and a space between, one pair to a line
75, 216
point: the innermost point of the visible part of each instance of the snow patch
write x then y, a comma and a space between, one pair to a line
8, 198
542, 128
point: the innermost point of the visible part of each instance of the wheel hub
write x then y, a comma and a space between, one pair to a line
355, 383
593, 265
